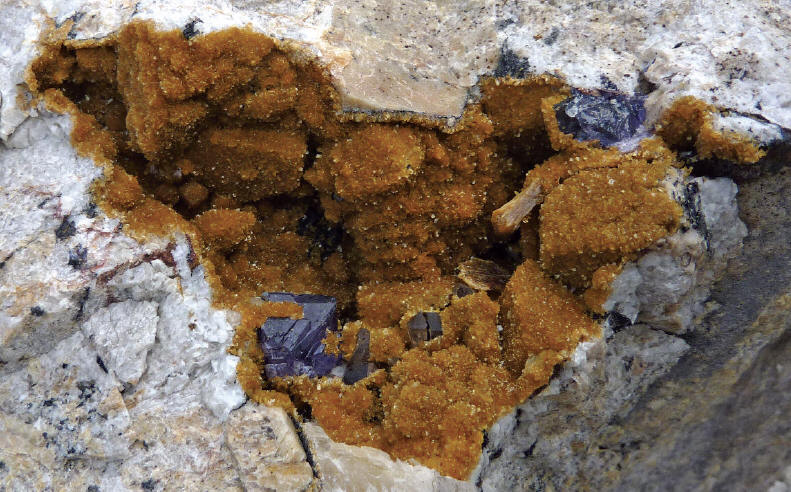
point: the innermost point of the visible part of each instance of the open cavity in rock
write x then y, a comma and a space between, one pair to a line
239, 141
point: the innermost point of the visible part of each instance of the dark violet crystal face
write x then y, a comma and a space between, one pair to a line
294, 346
608, 117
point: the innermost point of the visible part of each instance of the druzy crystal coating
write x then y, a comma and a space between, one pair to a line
607, 116
270, 180
294, 346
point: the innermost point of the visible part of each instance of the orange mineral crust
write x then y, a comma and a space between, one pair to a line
600, 216
688, 125
238, 141
540, 315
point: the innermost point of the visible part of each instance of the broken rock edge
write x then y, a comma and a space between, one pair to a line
625, 299
754, 127
395, 115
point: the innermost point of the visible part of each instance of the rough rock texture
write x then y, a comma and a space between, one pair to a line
596, 386
341, 467
416, 55
666, 286
124, 347
84, 408
783, 484
113, 362
714, 420
677, 47
267, 451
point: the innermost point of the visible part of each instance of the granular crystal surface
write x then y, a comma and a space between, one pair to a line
239, 142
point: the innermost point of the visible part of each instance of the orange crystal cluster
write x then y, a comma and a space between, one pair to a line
234, 139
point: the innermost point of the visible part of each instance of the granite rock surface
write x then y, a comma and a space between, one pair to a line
83, 407
426, 57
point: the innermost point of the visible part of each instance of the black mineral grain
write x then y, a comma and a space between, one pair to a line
189, 30
512, 65
65, 230
77, 256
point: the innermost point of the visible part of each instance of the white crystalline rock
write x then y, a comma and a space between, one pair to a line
389, 55
91, 299
721, 215
733, 54
189, 358
183, 452
342, 467
623, 296
42, 183
666, 287
149, 280
758, 130
221, 391
67, 396
123, 333
51, 185
20, 34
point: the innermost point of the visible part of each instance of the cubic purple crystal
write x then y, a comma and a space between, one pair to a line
606, 116
293, 347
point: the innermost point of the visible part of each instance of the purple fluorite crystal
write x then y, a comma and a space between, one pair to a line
293, 347
606, 116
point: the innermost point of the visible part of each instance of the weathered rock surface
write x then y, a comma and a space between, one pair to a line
423, 56
114, 367
636, 419
124, 347
667, 285
341, 467
267, 451
82, 407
